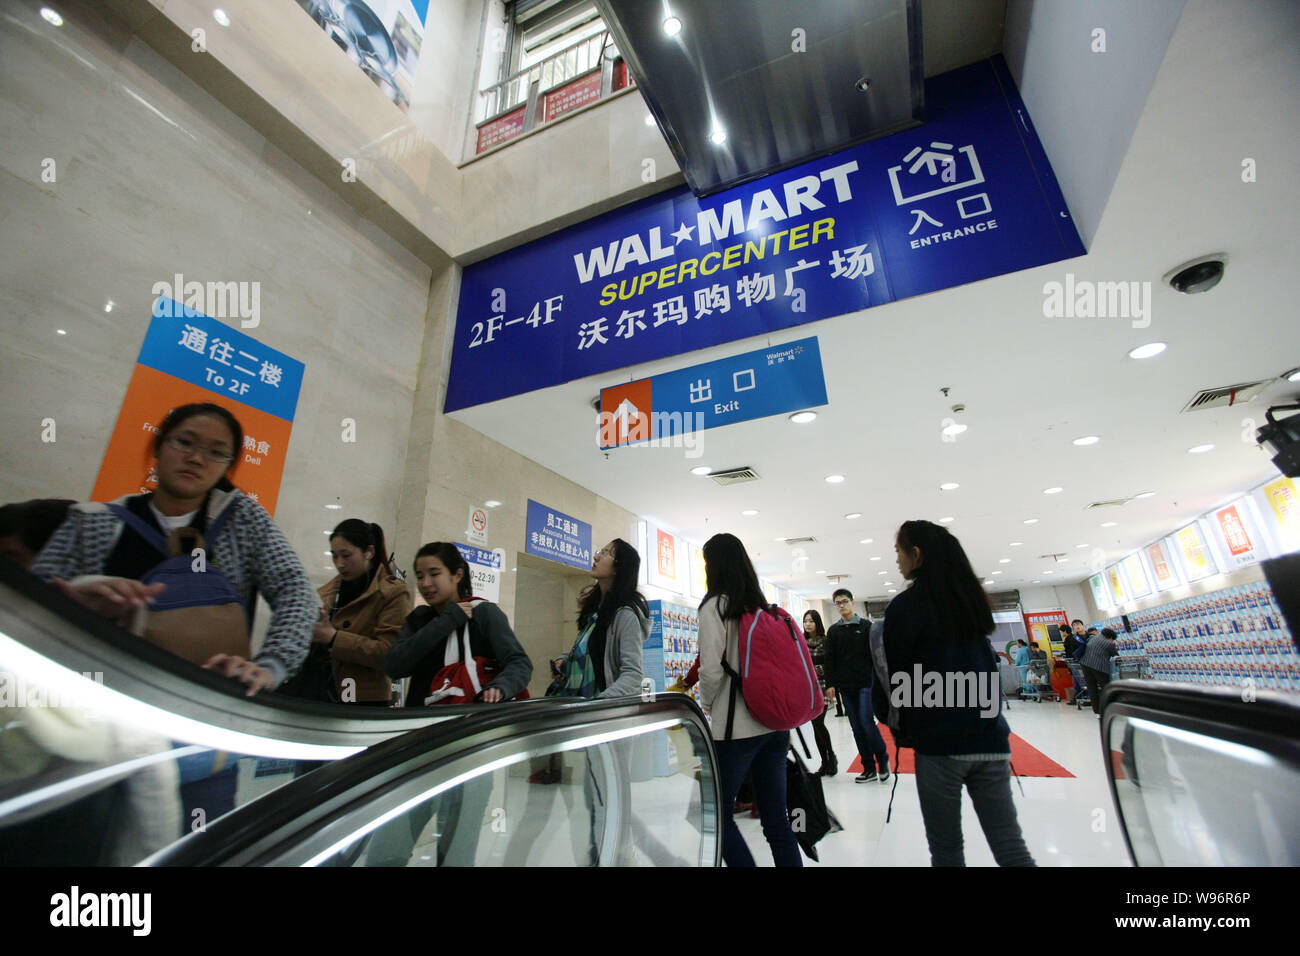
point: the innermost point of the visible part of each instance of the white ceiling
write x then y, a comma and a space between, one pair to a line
1224, 92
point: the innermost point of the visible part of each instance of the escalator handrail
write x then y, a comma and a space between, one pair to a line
46, 621
252, 834
1268, 712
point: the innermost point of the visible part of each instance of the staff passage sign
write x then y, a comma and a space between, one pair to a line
968, 196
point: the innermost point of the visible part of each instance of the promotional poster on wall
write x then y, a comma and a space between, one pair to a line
383, 37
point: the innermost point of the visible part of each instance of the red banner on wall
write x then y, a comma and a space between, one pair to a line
500, 129
570, 96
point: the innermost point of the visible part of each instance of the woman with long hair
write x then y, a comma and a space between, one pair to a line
362, 611
816, 636
732, 589
940, 626
196, 447
613, 623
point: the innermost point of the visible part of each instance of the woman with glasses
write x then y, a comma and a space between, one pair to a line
613, 623
196, 446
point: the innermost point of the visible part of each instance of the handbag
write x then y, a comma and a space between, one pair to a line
805, 801
463, 676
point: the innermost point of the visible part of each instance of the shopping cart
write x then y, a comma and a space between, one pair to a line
1036, 682
1130, 667
1081, 696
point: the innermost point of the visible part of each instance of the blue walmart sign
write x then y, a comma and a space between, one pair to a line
967, 196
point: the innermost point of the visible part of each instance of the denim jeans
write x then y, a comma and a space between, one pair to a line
765, 756
938, 783
870, 743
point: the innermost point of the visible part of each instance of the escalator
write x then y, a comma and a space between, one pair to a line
113, 752
1204, 776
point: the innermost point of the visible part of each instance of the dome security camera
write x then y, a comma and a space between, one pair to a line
1198, 275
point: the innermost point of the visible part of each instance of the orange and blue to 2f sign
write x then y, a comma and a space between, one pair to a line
768, 381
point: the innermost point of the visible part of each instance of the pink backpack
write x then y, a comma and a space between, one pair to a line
776, 676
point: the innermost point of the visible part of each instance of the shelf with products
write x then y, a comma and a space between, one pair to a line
1224, 637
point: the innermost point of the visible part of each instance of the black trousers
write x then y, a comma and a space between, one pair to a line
823, 738
1096, 680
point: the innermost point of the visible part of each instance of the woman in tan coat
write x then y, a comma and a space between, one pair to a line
362, 611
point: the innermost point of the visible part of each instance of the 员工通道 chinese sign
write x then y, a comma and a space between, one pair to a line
967, 196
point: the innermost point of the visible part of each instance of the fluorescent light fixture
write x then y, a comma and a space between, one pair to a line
1080, 545
672, 26
948, 520
1031, 521
997, 572
1087, 440
51, 17
491, 503
803, 418
649, 119
1145, 494
1004, 560
719, 135
1016, 544
1148, 350
1047, 572
819, 572
1109, 524
334, 507
783, 540
853, 514
1035, 581
701, 470
876, 558
949, 486
1293, 375
61, 331
749, 512
834, 479
221, 17
882, 572
1201, 449
866, 541
1053, 491
988, 580
893, 590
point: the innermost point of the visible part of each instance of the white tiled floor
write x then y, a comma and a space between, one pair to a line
1066, 822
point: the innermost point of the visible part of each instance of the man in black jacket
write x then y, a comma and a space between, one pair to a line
849, 671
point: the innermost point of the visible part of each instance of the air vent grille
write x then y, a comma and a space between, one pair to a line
734, 476
1113, 503
1228, 395
804, 540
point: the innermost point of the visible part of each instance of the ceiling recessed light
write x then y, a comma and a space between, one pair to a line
893, 590
866, 541
492, 503
701, 470
329, 554
819, 572
719, 136
672, 26
1109, 524
988, 580
948, 520
803, 418
949, 486
220, 16
876, 558
783, 540
108, 306
889, 584
1080, 545
1052, 491
853, 514
997, 572
334, 507
1201, 449
834, 479
1145, 494
749, 512
61, 331
1047, 572
1148, 350
953, 430
1004, 560
882, 572
1087, 440
1293, 375
1035, 581
1031, 521
51, 17
1016, 544
649, 119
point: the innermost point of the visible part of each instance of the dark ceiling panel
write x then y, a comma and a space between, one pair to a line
737, 64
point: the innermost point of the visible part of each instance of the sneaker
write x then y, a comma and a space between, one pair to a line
884, 773
866, 776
